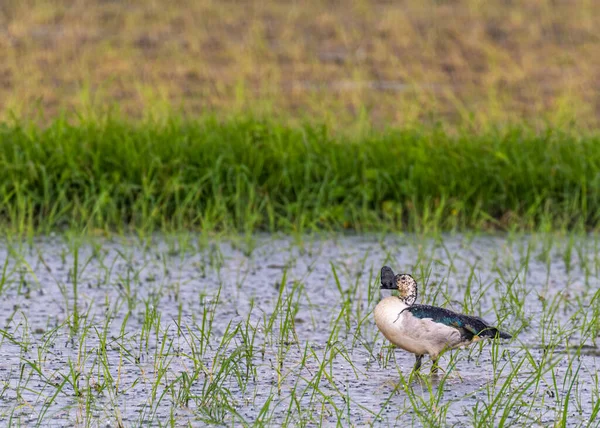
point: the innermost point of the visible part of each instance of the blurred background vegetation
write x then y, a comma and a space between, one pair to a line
460, 62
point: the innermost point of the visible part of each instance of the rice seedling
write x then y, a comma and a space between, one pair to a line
211, 339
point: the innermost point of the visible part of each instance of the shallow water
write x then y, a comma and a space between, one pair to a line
187, 330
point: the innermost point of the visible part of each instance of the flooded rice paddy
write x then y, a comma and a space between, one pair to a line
184, 330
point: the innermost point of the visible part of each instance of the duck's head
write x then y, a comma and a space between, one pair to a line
402, 282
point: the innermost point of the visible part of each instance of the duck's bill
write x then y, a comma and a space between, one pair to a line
387, 278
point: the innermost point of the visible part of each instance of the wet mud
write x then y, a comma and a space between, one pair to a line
280, 331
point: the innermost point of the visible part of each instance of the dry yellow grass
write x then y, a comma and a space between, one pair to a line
379, 62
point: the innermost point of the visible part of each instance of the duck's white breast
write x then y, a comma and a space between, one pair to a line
392, 324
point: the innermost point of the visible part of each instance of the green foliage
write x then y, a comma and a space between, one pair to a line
247, 175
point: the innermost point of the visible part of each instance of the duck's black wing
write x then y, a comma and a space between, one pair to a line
468, 326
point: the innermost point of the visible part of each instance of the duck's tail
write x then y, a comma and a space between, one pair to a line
494, 332
503, 335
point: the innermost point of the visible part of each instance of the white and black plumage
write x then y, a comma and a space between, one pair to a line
424, 329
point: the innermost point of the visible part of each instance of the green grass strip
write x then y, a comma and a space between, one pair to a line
247, 175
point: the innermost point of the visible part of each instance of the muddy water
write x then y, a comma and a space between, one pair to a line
191, 331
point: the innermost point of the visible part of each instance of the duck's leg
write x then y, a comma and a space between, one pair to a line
418, 362
435, 368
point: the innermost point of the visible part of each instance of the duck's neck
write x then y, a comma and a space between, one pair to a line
397, 298
405, 301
